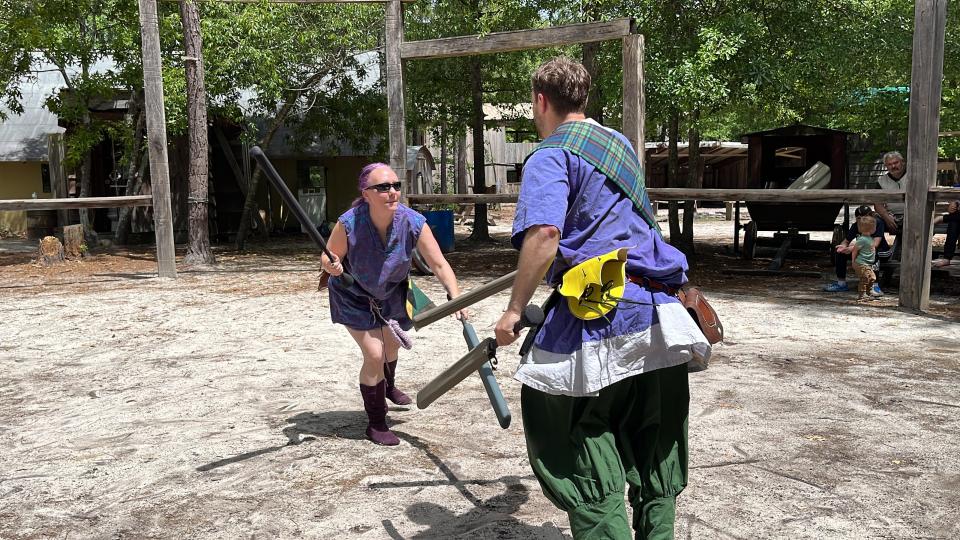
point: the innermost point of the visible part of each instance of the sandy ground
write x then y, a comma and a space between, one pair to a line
224, 405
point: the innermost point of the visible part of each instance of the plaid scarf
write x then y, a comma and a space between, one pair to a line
612, 157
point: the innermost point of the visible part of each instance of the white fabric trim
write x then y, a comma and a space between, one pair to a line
675, 340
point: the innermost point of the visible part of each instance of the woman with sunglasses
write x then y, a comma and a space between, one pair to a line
374, 242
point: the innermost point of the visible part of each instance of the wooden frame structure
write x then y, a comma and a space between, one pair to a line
920, 195
398, 51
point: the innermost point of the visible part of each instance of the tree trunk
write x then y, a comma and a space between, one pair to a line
673, 174
134, 174
693, 181
461, 172
443, 159
595, 99
198, 251
480, 229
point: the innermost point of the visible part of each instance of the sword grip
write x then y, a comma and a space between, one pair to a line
532, 316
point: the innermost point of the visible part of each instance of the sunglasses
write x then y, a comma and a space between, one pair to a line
385, 187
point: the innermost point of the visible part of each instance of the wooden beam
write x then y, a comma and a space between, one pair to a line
465, 198
703, 194
157, 138
393, 71
775, 195
517, 40
76, 203
925, 91
941, 194
633, 96
298, 1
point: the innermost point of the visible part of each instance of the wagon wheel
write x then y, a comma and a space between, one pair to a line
420, 265
749, 240
835, 241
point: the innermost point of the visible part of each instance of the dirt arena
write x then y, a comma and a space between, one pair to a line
224, 404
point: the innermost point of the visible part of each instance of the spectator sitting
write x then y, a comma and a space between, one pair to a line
952, 219
865, 256
894, 179
844, 249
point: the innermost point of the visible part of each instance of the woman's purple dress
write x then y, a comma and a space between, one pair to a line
380, 272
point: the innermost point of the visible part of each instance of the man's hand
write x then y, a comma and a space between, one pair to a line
505, 326
843, 248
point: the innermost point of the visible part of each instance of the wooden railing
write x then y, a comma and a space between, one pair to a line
73, 203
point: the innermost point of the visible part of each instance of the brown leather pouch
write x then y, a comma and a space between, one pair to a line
322, 282
703, 313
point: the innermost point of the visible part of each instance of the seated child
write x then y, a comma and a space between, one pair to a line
864, 255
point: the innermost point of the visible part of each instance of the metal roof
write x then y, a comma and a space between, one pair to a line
24, 137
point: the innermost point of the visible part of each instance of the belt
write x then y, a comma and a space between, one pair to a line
654, 285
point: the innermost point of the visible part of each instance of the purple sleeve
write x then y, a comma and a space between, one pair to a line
543, 193
417, 221
347, 219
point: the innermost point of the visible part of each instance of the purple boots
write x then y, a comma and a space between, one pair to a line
393, 394
375, 404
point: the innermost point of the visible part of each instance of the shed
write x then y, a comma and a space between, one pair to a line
777, 157
420, 166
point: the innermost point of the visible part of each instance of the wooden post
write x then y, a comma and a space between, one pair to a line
157, 138
925, 87
393, 72
633, 95
58, 174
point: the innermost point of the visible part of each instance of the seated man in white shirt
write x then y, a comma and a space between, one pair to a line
894, 179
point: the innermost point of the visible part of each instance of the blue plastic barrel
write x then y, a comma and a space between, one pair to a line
441, 223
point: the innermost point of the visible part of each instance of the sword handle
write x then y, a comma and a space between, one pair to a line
532, 316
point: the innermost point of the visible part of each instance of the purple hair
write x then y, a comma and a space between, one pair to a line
364, 180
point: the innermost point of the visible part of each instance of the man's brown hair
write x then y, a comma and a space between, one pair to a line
565, 82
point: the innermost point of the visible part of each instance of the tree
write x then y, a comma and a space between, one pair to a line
198, 252
74, 36
437, 87
309, 69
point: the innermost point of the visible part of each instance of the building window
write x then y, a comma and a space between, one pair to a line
45, 177
317, 176
312, 175
515, 174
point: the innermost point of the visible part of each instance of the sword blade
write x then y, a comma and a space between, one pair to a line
466, 299
459, 371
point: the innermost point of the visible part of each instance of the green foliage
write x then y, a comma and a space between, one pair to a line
438, 91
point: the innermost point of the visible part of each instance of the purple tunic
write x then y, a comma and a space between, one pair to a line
594, 217
380, 271
576, 357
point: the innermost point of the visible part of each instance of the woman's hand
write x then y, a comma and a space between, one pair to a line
462, 315
332, 267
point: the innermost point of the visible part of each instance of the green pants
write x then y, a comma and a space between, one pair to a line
584, 450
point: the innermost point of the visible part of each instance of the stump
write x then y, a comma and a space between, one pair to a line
73, 245
50, 251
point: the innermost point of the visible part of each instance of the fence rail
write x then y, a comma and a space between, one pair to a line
685, 194
72, 203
